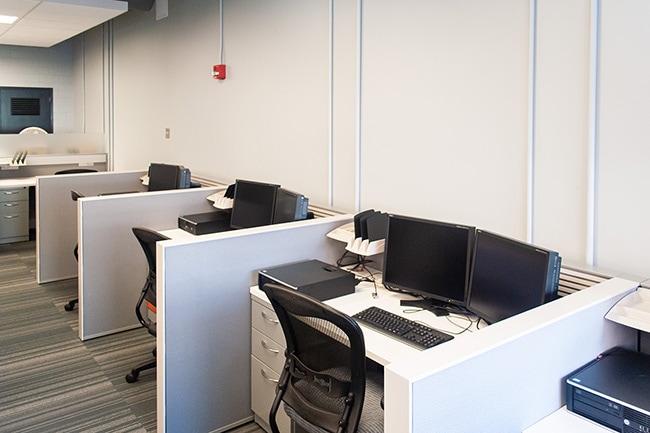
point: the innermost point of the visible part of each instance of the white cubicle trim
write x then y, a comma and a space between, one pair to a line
509, 375
56, 217
203, 341
112, 266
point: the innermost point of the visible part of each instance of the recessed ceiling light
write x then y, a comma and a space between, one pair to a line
7, 19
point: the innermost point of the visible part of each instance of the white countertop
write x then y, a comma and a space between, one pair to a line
17, 182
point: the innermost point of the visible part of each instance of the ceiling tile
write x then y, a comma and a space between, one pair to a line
47, 23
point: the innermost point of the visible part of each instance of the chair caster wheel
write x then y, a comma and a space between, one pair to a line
131, 378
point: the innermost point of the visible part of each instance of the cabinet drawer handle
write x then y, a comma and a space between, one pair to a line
274, 351
11, 192
11, 216
269, 319
266, 376
11, 204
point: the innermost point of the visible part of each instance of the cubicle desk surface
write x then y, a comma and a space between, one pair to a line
379, 347
17, 182
178, 234
564, 421
267, 342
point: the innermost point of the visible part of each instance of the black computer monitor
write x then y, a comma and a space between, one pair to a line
510, 277
430, 259
167, 176
289, 206
254, 204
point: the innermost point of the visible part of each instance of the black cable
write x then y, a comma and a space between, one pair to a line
464, 329
371, 278
359, 261
396, 290
359, 265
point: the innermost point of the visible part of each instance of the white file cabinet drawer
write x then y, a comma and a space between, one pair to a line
267, 360
264, 320
266, 350
14, 215
14, 194
263, 383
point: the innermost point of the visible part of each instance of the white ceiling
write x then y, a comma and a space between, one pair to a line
46, 23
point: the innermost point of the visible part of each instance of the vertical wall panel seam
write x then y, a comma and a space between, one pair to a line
83, 82
357, 174
330, 144
592, 145
111, 98
532, 65
221, 32
105, 91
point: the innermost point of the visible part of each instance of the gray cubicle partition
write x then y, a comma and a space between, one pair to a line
502, 378
508, 375
56, 217
112, 266
204, 324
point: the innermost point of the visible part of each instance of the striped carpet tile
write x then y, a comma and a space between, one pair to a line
50, 381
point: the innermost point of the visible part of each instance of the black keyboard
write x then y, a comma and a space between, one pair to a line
405, 330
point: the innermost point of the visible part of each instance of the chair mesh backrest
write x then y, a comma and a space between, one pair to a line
324, 375
147, 239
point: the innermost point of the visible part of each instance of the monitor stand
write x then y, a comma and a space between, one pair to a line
436, 307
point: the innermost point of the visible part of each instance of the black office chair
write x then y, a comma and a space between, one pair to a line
76, 171
147, 239
70, 305
324, 385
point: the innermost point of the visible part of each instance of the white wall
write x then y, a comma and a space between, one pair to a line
444, 110
461, 111
561, 126
623, 131
267, 121
518, 116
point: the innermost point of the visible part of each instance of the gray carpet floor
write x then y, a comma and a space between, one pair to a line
50, 381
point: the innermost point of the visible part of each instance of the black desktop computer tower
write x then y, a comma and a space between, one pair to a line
184, 179
613, 390
207, 222
311, 277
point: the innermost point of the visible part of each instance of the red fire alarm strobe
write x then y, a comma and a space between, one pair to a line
219, 72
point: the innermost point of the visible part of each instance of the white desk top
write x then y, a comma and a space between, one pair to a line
564, 421
177, 234
386, 350
379, 347
17, 182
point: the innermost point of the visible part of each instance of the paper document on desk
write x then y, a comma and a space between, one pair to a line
219, 200
345, 233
